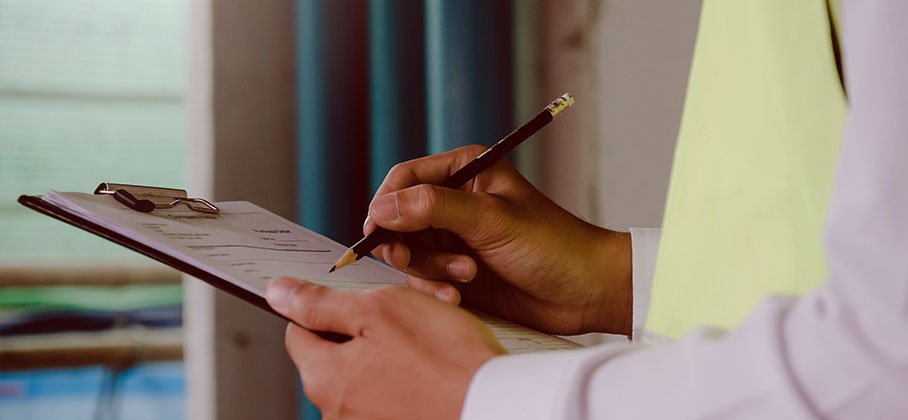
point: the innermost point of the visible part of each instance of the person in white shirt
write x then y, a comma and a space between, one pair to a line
838, 352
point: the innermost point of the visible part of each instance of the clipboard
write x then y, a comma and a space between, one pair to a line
515, 338
39, 205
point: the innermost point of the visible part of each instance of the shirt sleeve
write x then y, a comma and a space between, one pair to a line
644, 249
840, 352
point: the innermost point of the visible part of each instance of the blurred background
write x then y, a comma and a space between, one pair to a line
301, 107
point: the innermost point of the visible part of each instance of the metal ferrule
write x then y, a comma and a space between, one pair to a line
563, 102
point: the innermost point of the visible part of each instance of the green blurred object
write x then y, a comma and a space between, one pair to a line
90, 298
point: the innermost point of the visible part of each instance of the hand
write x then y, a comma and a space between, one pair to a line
503, 246
411, 356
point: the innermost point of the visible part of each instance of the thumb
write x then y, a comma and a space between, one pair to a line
427, 206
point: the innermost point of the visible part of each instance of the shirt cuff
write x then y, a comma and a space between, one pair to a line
644, 250
530, 386
516, 387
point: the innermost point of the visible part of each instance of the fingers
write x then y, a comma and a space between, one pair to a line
302, 345
432, 169
315, 307
442, 266
442, 291
426, 263
439, 266
427, 206
395, 254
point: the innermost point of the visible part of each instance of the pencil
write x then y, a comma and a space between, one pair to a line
466, 173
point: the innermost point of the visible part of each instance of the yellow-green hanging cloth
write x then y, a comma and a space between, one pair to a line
753, 165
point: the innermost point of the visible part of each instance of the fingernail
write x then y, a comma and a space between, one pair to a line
459, 269
366, 223
444, 294
384, 207
278, 294
386, 254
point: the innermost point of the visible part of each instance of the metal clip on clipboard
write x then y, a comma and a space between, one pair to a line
147, 199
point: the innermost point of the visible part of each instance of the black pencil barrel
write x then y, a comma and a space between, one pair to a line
497, 151
371, 241
473, 168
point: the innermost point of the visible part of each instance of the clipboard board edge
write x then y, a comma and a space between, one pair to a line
37, 204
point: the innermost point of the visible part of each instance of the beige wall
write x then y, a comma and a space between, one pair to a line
627, 62
241, 132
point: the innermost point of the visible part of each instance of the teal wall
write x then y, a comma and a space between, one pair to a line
397, 84
333, 107
469, 72
384, 81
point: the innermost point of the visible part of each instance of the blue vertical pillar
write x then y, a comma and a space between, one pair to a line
383, 81
469, 72
333, 132
333, 103
397, 84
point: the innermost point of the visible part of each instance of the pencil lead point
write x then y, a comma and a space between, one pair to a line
348, 258
333, 267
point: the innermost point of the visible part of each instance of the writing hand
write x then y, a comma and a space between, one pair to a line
503, 246
410, 356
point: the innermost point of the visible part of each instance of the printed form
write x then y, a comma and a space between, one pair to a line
250, 246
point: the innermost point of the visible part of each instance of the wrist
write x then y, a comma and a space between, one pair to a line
612, 278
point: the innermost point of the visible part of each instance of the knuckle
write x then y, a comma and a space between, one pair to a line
399, 169
378, 303
373, 302
419, 284
318, 387
497, 215
402, 173
390, 292
368, 306
306, 308
473, 150
398, 177
326, 380
493, 205
428, 199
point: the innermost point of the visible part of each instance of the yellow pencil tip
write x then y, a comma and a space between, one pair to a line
348, 258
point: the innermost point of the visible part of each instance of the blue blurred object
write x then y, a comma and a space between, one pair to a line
397, 85
151, 391
333, 112
147, 391
469, 72
51, 394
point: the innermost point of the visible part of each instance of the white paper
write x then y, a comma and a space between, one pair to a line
250, 246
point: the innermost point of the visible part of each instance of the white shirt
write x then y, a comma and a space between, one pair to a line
840, 352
